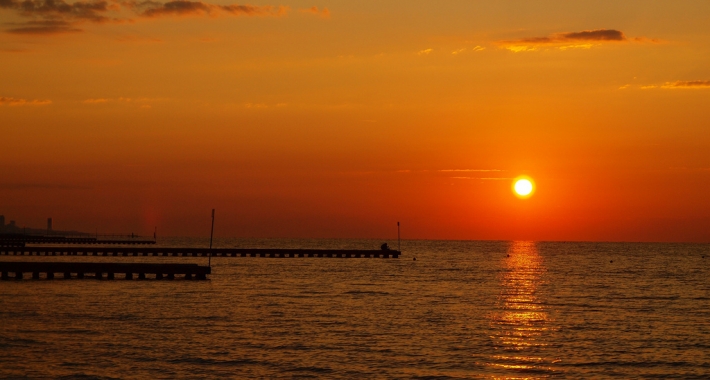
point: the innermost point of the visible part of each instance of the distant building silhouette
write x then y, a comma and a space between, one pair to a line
12, 228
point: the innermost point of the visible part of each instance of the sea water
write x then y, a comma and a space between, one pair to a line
462, 309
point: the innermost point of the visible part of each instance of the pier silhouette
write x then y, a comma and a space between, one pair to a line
198, 252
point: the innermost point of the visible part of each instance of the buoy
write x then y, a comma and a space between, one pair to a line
507, 255
415, 259
611, 261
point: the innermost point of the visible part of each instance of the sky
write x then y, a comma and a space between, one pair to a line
337, 119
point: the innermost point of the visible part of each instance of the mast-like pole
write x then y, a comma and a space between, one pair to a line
399, 242
211, 235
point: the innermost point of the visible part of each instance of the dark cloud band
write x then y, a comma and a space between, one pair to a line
598, 35
59, 16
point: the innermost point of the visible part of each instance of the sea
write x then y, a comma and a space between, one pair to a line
442, 310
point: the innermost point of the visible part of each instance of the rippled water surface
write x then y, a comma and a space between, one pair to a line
508, 310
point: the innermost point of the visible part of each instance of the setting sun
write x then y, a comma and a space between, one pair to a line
523, 187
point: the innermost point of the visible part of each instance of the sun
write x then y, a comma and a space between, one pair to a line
523, 187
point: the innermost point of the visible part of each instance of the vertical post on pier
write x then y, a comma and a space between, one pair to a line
209, 262
399, 243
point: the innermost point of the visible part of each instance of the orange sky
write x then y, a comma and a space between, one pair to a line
340, 118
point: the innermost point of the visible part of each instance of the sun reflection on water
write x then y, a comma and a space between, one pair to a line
521, 325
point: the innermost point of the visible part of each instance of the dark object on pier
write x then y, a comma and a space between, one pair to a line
160, 271
384, 247
197, 252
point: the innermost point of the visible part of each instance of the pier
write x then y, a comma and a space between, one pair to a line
197, 252
101, 271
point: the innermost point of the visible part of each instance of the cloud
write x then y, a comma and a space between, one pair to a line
484, 178
58, 10
51, 17
567, 40
425, 51
186, 8
44, 28
14, 102
449, 170
325, 13
256, 105
594, 35
142, 102
458, 51
680, 85
691, 84
470, 170
464, 174
584, 36
96, 101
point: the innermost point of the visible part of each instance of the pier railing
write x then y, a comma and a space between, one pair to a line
196, 252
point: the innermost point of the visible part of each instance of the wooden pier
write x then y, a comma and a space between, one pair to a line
197, 252
100, 270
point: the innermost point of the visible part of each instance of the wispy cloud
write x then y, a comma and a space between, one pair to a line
142, 102
585, 39
690, 84
678, 85
93, 10
425, 51
584, 36
449, 170
96, 101
196, 8
15, 102
485, 178
463, 174
470, 170
256, 105
50, 17
43, 28
325, 13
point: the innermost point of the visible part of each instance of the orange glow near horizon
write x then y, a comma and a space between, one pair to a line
338, 119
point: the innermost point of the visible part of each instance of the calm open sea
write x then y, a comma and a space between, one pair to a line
463, 309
